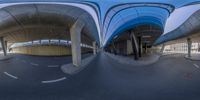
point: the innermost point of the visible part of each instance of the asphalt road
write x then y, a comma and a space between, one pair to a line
40, 78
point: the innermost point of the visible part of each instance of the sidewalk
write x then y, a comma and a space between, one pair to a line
2, 57
129, 60
71, 69
195, 57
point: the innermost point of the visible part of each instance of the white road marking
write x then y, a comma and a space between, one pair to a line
53, 65
12, 76
23, 61
56, 80
34, 64
197, 66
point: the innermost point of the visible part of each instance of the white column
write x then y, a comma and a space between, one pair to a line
189, 46
94, 48
162, 48
129, 47
75, 33
3, 46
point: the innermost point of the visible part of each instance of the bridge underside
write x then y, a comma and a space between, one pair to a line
135, 41
31, 22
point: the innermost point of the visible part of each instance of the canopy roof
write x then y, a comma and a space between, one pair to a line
112, 17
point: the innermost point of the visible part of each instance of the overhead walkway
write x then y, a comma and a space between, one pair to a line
188, 33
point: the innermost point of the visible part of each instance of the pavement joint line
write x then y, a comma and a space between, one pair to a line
197, 66
53, 65
53, 81
34, 64
12, 76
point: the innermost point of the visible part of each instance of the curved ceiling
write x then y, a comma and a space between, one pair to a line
139, 15
114, 16
39, 20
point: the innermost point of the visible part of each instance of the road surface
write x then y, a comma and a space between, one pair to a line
40, 78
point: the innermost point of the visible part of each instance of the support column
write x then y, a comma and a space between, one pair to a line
135, 46
6, 46
162, 48
140, 46
75, 33
114, 48
40, 41
198, 47
49, 41
129, 47
97, 49
145, 48
189, 46
94, 48
3, 46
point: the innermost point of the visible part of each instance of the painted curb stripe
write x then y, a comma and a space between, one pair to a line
196, 65
12, 76
34, 64
53, 81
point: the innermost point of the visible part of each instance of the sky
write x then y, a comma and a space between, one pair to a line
179, 16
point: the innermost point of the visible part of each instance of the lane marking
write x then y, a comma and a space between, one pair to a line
53, 81
197, 66
53, 65
23, 61
12, 76
34, 64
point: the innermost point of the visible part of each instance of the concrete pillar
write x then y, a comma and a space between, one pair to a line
3, 46
40, 41
49, 41
129, 47
140, 46
145, 48
6, 46
75, 33
97, 49
94, 48
189, 46
162, 48
135, 46
114, 47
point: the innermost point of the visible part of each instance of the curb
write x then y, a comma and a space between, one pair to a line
191, 58
71, 69
6, 58
131, 63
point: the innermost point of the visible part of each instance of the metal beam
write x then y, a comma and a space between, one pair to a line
135, 46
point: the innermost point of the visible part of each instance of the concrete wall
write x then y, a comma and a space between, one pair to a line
48, 50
